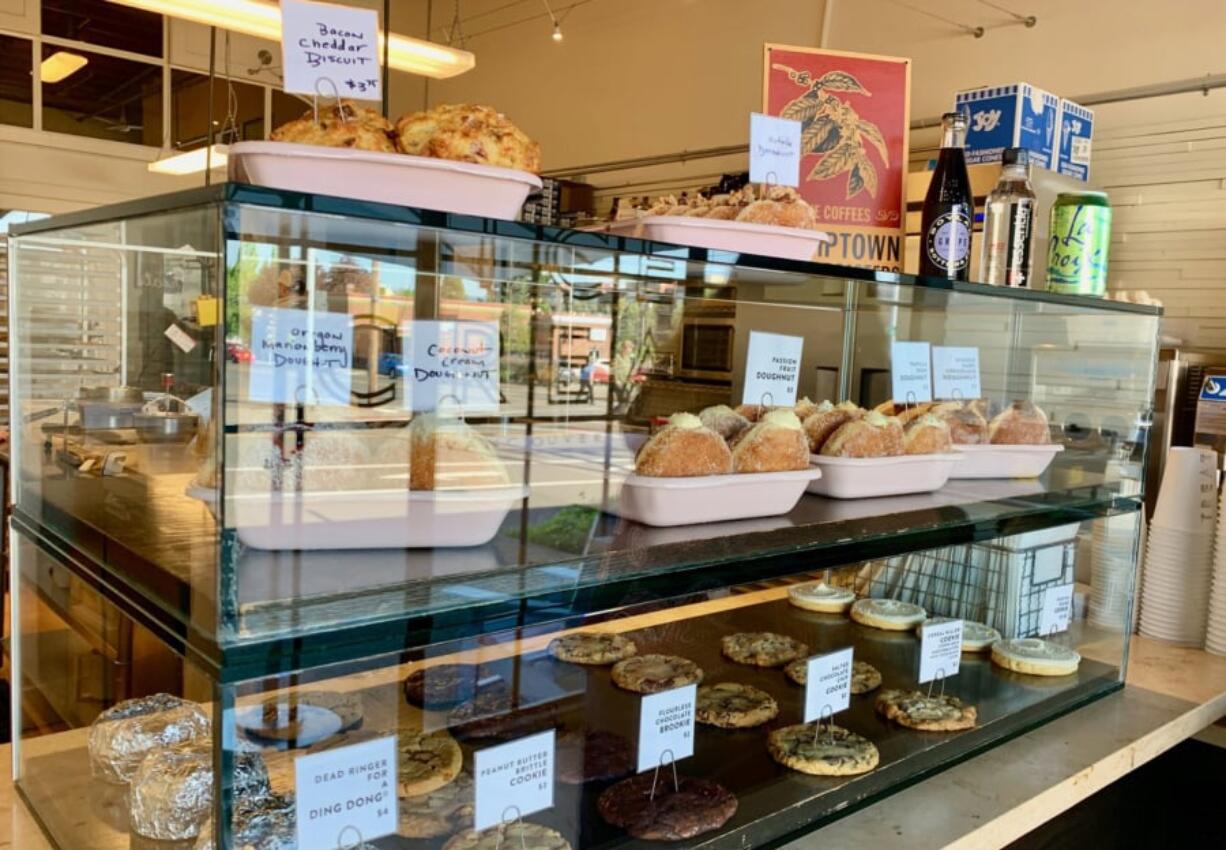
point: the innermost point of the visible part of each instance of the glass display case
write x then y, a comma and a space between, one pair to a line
341, 480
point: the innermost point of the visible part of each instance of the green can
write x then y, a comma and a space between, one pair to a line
1078, 244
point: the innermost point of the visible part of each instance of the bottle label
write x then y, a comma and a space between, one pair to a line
948, 240
1077, 249
1018, 253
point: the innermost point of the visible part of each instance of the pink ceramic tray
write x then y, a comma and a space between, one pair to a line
1001, 461
389, 178
869, 477
367, 519
793, 243
709, 498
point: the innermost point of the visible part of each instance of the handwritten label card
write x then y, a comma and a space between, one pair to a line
772, 368
910, 372
1057, 611
337, 43
940, 650
774, 150
300, 356
828, 684
346, 795
955, 372
453, 366
513, 779
666, 727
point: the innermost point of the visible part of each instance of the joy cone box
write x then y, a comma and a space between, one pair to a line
855, 111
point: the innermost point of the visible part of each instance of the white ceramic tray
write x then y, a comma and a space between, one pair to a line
869, 477
389, 178
709, 498
793, 243
1004, 461
367, 519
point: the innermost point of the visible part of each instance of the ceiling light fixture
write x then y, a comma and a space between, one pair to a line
191, 162
557, 32
61, 65
557, 25
263, 20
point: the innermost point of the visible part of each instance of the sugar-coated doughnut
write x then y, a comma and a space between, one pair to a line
684, 448
926, 435
775, 444
723, 420
1021, 424
825, 420
871, 435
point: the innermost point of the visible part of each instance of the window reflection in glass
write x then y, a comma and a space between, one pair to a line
106, 98
16, 86
104, 23
189, 105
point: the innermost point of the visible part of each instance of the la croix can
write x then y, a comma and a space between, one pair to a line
1078, 244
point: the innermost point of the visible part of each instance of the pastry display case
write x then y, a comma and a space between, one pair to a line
388, 527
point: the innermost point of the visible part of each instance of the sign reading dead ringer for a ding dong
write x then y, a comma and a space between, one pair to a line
451, 367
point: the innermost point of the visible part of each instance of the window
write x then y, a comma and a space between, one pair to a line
16, 81
189, 105
104, 24
106, 98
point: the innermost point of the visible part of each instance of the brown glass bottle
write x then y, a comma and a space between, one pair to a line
949, 210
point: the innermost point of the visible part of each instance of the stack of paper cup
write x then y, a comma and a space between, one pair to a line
1113, 556
1179, 552
1215, 630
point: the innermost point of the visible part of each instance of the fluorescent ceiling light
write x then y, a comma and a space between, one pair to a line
61, 65
263, 20
190, 162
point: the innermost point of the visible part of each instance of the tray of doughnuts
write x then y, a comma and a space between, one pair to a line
888, 451
715, 468
773, 221
1014, 443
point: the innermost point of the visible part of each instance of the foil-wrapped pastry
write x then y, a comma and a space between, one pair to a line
121, 736
261, 823
172, 790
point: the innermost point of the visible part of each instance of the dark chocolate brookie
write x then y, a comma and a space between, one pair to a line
442, 686
592, 755
691, 808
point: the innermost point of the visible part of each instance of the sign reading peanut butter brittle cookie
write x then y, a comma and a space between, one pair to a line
516, 776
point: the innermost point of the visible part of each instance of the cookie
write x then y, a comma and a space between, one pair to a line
731, 705
888, 614
592, 648
762, 649
649, 674
864, 676
295, 717
426, 761
1035, 657
518, 835
826, 751
819, 596
442, 686
673, 813
917, 710
444, 811
496, 712
976, 637
592, 755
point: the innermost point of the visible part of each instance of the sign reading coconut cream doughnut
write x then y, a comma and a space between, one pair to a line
452, 366
772, 369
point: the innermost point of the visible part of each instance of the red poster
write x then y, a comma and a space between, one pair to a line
855, 112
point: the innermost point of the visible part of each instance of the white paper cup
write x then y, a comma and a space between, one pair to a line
1187, 499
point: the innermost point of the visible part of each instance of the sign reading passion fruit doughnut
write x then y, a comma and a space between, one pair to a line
854, 111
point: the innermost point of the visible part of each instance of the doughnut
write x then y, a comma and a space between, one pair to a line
776, 444
684, 448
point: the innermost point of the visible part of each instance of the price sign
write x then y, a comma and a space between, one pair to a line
515, 776
180, 338
300, 356
955, 372
828, 684
772, 368
323, 41
1057, 611
940, 650
346, 794
910, 372
453, 366
666, 725
774, 150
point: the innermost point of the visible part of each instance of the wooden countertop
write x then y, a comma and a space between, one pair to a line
994, 798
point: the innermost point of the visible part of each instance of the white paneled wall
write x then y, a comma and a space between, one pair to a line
1167, 182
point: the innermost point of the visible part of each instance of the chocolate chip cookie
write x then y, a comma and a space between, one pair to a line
592, 648
826, 751
444, 811
864, 676
649, 674
519, 835
731, 705
917, 710
762, 649
674, 813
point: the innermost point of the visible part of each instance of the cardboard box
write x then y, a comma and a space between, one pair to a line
1012, 116
1075, 133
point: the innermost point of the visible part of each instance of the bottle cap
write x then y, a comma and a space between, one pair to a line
1015, 156
954, 118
